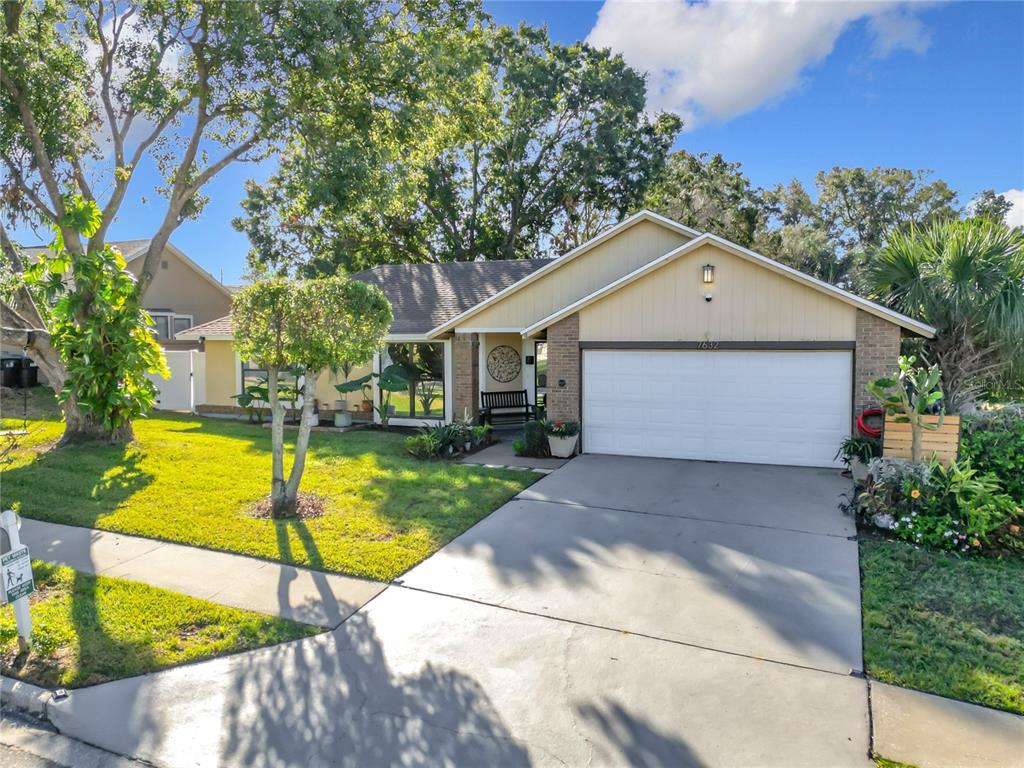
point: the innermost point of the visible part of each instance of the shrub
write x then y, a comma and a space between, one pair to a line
423, 446
993, 441
954, 508
535, 438
519, 447
858, 447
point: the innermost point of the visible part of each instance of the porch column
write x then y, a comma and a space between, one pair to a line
563, 393
466, 371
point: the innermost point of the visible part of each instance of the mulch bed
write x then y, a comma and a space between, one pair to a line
310, 505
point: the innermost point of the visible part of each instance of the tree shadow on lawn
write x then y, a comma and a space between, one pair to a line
75, 485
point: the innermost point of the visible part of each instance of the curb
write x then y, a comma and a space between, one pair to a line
25, 697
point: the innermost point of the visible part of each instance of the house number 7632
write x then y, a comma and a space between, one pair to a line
707, 345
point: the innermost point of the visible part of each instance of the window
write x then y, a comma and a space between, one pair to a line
166, 324
424, 367
287, 383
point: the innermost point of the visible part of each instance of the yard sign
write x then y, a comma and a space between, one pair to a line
17, 574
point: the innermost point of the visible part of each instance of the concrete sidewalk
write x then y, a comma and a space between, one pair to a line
302, 594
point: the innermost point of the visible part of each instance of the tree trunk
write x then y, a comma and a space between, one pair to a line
80, 427
278, 499
291, 491
915, 438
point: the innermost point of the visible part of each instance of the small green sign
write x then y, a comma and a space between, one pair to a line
16, 568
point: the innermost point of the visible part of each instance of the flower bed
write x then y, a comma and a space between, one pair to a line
952, 508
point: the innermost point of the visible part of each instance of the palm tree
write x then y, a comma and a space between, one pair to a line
966, 278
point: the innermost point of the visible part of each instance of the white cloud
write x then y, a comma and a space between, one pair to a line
1015, 216
719, 59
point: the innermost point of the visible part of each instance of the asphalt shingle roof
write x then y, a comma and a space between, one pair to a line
130, 249
423, 296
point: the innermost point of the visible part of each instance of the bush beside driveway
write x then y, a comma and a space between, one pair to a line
195, 481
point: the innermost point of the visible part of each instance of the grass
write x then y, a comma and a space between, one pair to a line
193, 480
881, 762
91, 629
943, 623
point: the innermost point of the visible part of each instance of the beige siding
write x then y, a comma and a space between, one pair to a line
585, 274
221, 373
750, 303
490, 341
182, 290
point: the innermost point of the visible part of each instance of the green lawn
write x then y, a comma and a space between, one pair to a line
90, 629
945, 624
192, 480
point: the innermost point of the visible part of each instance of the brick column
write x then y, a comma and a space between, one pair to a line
466, 370
877, 355
563, 402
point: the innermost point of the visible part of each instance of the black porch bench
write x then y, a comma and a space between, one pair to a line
506, 408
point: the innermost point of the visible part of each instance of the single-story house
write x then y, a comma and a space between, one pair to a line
660, 340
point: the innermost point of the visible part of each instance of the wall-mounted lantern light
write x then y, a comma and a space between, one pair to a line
709, 273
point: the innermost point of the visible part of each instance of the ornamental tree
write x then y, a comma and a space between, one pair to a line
909, 395
98, 329
312, 324
92, 90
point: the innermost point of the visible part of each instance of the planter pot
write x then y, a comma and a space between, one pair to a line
562, 447
467, 447
339, 405
366, 406
342, 419
859, 470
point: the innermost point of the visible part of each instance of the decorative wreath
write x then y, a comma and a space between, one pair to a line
503, 363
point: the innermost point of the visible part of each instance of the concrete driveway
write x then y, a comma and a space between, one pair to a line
619, 612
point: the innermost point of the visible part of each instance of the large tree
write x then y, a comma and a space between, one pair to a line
310, 325
89, 91
527, 144
710, 194
966, 278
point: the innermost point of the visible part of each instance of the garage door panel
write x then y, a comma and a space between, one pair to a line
777, 407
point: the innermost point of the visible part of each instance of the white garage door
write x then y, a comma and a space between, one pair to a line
751, 406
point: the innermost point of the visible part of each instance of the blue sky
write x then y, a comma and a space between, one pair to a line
936, 86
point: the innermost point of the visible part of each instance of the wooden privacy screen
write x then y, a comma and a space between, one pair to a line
942, 443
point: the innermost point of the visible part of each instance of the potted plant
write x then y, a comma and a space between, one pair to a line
856, 453
562, 437
391, 379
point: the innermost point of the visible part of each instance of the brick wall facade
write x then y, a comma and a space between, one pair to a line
876, 355
466, 371
563, 402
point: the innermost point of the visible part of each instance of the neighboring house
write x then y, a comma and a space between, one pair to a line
181, 295
660, 340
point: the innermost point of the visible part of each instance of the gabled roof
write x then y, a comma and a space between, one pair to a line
812, 282
423, 296
553, 264
135, 249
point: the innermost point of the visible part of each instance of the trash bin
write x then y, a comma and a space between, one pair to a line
10, 371
29, 374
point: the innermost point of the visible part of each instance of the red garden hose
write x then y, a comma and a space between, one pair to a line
863, 426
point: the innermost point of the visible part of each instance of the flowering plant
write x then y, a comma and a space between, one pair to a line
562, 428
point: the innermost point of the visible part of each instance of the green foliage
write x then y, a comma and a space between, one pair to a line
953, 508
97, 325
993, 441
394, 378
508, 143
519, 447
909, 395
859, 447
943, 623
445, 439
535, 440
992, 206
966, 278
309, 323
